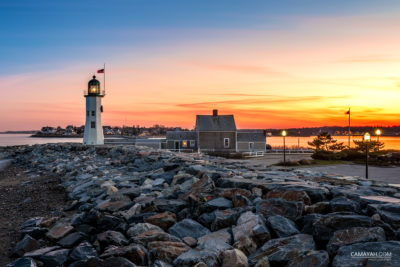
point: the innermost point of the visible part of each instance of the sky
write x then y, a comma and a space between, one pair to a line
273, 64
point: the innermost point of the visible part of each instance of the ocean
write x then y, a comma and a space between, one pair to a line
274, 141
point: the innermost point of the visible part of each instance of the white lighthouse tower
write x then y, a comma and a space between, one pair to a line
93, 129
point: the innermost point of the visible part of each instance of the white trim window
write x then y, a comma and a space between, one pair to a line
192, 143
226, 142
184, 143
251, 146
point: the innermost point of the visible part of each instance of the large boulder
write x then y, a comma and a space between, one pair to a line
252, 225
154, 235
83, 251
281, 226
289, 195
23, 262
354, 235
141, 228
188, 227
135, 253
281, 250
324, 228
25, 245
166, 251
223, 235
111, 238
192, 257
277, 206
389, 213
368, 254
164, 220
54, 257
218, 203
313, 258
59, 230
234, 257
342, 203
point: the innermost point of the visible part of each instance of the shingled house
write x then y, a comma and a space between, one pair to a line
216, 133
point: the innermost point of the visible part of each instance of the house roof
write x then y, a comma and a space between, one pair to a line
224, 123
250, 136
181, 135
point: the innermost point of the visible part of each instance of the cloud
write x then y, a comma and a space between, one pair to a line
370, 59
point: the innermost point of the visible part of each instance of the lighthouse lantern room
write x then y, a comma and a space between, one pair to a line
93, 134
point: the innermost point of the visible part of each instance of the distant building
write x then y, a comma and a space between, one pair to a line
216, 133
182, 141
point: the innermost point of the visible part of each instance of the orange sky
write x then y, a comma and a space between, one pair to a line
305, 75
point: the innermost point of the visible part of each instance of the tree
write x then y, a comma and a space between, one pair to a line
372, 145
325, 142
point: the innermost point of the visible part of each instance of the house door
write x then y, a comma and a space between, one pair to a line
251, 146
177, 145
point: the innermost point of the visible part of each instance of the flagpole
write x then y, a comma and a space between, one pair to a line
349, 127
104, 77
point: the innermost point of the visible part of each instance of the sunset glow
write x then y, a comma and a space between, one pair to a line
292, 68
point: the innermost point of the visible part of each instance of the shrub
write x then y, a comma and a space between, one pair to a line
288, 163
305, 162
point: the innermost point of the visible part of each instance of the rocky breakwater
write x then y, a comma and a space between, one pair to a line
134, 206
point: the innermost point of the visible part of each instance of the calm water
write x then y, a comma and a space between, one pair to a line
275, 141
294, 142
25, 139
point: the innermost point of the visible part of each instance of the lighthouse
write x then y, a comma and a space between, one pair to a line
93, 134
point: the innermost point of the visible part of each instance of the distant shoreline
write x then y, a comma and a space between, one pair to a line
56, 136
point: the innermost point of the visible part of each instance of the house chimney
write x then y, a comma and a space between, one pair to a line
215, 112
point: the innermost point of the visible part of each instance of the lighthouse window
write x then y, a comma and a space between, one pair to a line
93, 113
93, 124
87, 113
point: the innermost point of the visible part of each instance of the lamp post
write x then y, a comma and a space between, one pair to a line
284, 147
378, 132
367, 138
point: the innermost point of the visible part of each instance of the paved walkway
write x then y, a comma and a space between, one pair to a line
384, 174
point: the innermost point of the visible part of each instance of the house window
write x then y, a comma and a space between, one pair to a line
192, 143
93, 113
93, 124
226, 142
184, 143
87, 113
251, 146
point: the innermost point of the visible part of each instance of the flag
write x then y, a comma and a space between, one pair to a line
100, 71
348, 112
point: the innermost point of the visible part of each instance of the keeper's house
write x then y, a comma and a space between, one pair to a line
216, 133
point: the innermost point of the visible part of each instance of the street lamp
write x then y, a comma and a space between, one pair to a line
284, 133
367, 138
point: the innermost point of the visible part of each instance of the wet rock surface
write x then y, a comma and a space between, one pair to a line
132, 206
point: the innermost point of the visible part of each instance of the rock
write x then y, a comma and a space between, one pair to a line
192, 257
308, 222
276, 206
281, 226
171, 205
141, 228
368, 254
112, 206
166, 251
281, 250
135, 253
83, 251
246, 244
290, 196
319, 207
251, 225
34, 232
111, 238
32, 222
55, 257
218, 203
263, 262
164, 220
354, 235
234, 257
25, 245
216, 245
59, 230
188, 227
223, 235
108, 222
316, 193
159, 263
71, 240
201, 189
190, 241
23, 262
223, 218
344, 204
313, 258
239, 200
390, 213
154, 235
116, 261
132, 211
36, 253
324, 228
